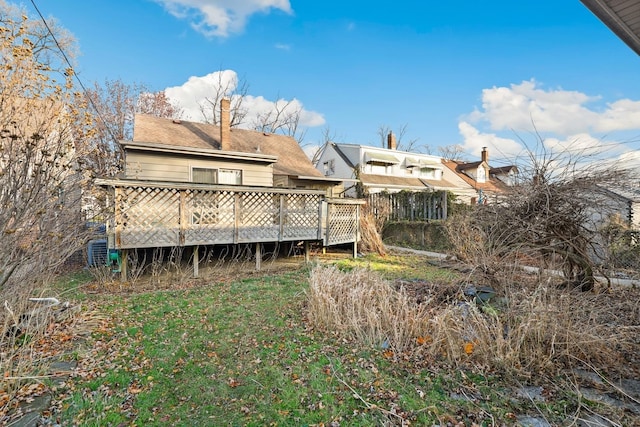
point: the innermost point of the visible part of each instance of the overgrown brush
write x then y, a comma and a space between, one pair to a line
22, 324
530, 333
526, 331
360, 304
371, 229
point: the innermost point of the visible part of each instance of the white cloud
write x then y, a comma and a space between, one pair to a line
283, 46
474, 141
564, 120
221, 18
191, 95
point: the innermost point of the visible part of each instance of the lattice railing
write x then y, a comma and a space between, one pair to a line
342, 222
189, 215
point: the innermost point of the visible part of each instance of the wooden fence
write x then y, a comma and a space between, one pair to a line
409, 206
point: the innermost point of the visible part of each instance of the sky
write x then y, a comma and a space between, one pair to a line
502, 74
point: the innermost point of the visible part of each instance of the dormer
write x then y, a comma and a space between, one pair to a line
505, 174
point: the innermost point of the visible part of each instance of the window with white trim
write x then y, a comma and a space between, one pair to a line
216, 176
204, 175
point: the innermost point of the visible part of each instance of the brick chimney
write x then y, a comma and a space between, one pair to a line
485, 155
391, 141
225, 124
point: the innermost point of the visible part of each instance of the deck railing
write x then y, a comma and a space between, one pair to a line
160, 214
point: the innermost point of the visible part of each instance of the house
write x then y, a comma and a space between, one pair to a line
624, 201
189, 184
378, 169
181, 151
486, 182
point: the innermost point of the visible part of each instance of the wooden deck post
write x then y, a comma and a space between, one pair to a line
306, 252
196, 261
123, 265
258, 256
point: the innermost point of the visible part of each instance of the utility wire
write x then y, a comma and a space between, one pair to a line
75, 75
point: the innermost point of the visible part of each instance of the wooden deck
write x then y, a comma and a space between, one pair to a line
161, 214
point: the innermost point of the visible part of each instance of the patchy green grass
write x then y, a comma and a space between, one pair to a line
240, 352
403, 266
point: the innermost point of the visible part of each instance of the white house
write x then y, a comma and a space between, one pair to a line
380, 169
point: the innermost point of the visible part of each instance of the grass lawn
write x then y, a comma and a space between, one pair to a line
237, 350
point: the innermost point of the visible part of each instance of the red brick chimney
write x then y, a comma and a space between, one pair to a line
225, 124
485, 155
391, 141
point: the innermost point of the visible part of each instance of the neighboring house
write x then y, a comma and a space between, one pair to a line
486, 182
381, 169
625, 202
181, 151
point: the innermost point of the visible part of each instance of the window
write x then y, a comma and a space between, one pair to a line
204, 175
230, 176
428, 173
482, 175
216, 176
329, 167
379, 168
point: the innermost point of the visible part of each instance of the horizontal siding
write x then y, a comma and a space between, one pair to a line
159, 167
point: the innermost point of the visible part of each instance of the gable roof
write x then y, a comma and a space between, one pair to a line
291, 160
343, 156
503, 170
466, 166
491, 184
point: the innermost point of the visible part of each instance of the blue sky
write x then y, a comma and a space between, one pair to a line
466, 72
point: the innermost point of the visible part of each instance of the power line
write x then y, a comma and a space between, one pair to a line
75, 75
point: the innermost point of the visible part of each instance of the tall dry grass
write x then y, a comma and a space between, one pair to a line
22, 324
529, 329
361, 305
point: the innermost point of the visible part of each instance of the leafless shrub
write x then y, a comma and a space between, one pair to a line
136, 266
370, 237
157, 267
535, 332
361, 305
45, 189
553, 215
179, 270
102, 274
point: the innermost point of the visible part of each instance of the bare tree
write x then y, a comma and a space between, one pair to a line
402, 143
452, 152
43, 129
284, 119
235, 89
553, 215
159, 105
115, 104
46, 50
